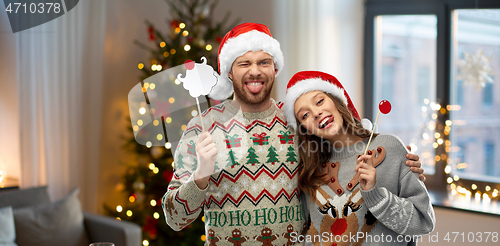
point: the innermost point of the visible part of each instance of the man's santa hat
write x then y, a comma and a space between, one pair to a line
306, 81
241, 39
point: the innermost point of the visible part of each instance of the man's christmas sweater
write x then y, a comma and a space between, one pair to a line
252, 198
341, 213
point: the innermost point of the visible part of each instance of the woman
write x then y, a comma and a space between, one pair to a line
389, 206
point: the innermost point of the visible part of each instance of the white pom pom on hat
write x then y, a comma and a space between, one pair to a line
241, 39
306, 81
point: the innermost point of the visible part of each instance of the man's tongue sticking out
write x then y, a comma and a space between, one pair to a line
254, 87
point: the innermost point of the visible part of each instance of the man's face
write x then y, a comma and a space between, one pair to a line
253, 77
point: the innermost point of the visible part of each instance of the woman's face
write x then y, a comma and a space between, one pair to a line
318, 114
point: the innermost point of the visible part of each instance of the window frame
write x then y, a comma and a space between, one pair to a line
442, 9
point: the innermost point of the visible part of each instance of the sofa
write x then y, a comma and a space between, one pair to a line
28, 217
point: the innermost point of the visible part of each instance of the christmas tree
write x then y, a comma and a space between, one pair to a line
252, 157
231, 160
180, 162
272, 155
291, 155
191, 34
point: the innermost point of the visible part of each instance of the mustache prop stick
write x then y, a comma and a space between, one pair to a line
199, 80
385, 107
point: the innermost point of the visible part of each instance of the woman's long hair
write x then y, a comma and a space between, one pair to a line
314, 151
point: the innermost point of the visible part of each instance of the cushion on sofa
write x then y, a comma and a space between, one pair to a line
24, 197
8, 231
58, 223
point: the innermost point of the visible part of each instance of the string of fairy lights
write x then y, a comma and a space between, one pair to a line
441, 135
168, 120
187, 47
436, 134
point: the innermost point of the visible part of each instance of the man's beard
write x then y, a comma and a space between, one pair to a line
248, 97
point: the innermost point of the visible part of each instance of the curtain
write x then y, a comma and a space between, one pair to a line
59, 91
323, 35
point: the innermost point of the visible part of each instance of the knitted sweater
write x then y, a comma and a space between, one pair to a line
398, 204
252, 198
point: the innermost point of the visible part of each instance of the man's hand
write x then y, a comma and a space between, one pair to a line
414, 163
206, 152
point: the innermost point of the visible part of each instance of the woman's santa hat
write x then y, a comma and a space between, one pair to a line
241, 39
306, 81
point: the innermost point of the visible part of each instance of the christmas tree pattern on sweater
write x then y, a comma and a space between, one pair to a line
257, 188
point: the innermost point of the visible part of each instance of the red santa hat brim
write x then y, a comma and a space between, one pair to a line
242, 39
305, 86
307, 81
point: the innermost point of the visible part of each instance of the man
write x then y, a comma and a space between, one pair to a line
246, 182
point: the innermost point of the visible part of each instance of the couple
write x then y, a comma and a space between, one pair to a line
257, 180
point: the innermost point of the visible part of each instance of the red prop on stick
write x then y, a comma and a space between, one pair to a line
385, 107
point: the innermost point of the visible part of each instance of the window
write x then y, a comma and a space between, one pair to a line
458, 156
387, 81
460, 92
488, 95
474, 45
424, 82
445, 56
489, 158
405, 53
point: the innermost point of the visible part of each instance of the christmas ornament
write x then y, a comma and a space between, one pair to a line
151, 32
167, 175
174, 23
475, 69
150, 227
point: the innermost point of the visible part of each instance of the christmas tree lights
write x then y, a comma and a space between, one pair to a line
190, 34
436, 133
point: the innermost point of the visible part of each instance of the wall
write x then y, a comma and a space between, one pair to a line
449, 221
323, 35
10, 157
